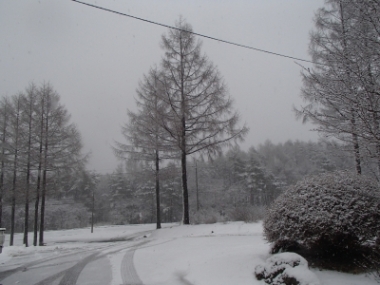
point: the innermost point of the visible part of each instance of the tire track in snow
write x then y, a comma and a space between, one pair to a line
6, 273
72, 274
128, 271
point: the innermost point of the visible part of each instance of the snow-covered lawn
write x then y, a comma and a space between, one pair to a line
202, 254
215, 254
197, 254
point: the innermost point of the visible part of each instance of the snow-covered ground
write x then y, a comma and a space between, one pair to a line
66, 241
197, 254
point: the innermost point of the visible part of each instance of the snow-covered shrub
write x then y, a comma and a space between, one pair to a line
334, 216
286, 269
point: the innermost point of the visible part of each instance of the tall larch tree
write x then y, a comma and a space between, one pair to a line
61, 144
16, 145
146, 137
28, 102
201, 117
5, 110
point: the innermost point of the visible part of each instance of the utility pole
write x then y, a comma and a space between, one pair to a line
196, 184
92, 211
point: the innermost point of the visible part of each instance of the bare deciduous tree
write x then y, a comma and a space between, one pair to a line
29, 101
147, 138
5, 108
16, 130
201, 116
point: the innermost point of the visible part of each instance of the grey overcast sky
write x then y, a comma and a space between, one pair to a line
94, 59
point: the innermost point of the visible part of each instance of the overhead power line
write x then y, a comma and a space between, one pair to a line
194, 33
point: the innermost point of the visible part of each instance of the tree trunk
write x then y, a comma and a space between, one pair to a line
44, 181
152, 206
92, 211
158, 204
196, 185
2, 187
376, 135
356, 146
35, 230
13, 209
352, 110
42, 222
171, 209
14, 175
4, 130
26, 223
186, 216
357, 154
27, 186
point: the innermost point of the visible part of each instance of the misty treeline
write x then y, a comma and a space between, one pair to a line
40, 155
232, 186
342, 89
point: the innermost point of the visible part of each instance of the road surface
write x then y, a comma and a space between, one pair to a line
106, 263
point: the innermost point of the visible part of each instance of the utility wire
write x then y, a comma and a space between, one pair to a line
194, 33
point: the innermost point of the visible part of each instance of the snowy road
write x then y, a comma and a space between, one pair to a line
108, 262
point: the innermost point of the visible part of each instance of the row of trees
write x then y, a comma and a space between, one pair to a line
342, 89
183, 109
38, 147
132, 194
233, 180
232, 186
292, 161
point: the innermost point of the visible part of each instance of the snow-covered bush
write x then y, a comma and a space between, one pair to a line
333, 216
286, 269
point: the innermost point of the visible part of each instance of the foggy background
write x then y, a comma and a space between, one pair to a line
94, 59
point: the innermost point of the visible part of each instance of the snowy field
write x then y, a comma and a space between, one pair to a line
197, 254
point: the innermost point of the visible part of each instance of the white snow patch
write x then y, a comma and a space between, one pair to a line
303, 275
202, 254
